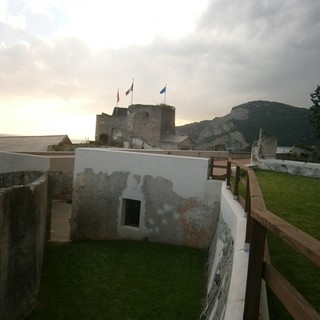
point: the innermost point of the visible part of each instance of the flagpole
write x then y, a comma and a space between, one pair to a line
132, 91
118, 97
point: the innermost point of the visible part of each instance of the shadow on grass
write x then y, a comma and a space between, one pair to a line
121, 280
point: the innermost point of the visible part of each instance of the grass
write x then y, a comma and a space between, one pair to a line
121, 280
296, 200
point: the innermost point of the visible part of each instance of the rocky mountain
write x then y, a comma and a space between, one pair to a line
238, 129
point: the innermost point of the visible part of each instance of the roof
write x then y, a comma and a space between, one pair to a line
31, 143
175, 139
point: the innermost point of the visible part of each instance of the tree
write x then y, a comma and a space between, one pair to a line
314, 117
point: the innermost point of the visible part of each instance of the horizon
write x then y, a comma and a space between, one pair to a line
66, 61
87, 138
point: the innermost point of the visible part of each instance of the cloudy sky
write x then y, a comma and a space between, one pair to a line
62, 61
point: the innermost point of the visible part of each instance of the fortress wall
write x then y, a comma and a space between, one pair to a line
105, 123
177, 202
168, 115
145, 122
23, 233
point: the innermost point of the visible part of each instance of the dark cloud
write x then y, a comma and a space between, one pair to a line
239, 51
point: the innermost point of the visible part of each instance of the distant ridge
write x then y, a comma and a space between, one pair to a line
238, 129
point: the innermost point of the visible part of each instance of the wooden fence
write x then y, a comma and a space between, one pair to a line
259, 220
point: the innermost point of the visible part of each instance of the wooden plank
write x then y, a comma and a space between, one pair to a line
255, 269
297, 239
220, 166
293, 301
256, 196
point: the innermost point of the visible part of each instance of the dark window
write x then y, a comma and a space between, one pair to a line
131, 212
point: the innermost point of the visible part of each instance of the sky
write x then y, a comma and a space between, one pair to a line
63, 61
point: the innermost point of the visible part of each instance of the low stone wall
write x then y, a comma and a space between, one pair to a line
306, 169
23, 232
227, 263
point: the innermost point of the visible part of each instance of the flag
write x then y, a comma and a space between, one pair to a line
129, 90
118, 97
163, 90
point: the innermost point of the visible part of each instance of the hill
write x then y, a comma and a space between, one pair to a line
238, 129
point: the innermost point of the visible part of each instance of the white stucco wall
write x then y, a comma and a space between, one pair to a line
189, 175
179, 203
11, 162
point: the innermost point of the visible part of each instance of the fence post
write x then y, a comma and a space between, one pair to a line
255, 271
247, 209
236, 183
228, 173
210, 167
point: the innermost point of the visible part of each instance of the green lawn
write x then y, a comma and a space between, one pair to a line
295, 199
121, 280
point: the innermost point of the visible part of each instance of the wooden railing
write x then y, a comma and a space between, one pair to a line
259, 220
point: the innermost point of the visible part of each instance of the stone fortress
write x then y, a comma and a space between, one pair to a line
141, 127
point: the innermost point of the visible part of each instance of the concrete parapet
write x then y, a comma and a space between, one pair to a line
228, 263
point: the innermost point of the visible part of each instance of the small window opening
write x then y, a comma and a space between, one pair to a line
132, 212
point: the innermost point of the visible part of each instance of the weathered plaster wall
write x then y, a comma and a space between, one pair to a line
228, 261
179, 204
23, 232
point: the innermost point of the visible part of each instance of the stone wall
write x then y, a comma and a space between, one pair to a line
306, 169
23, 233
106, 125
177, 201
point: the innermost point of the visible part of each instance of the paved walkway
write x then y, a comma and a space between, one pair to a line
60, 226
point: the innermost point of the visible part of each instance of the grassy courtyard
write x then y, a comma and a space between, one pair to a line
121, 280
141, 280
